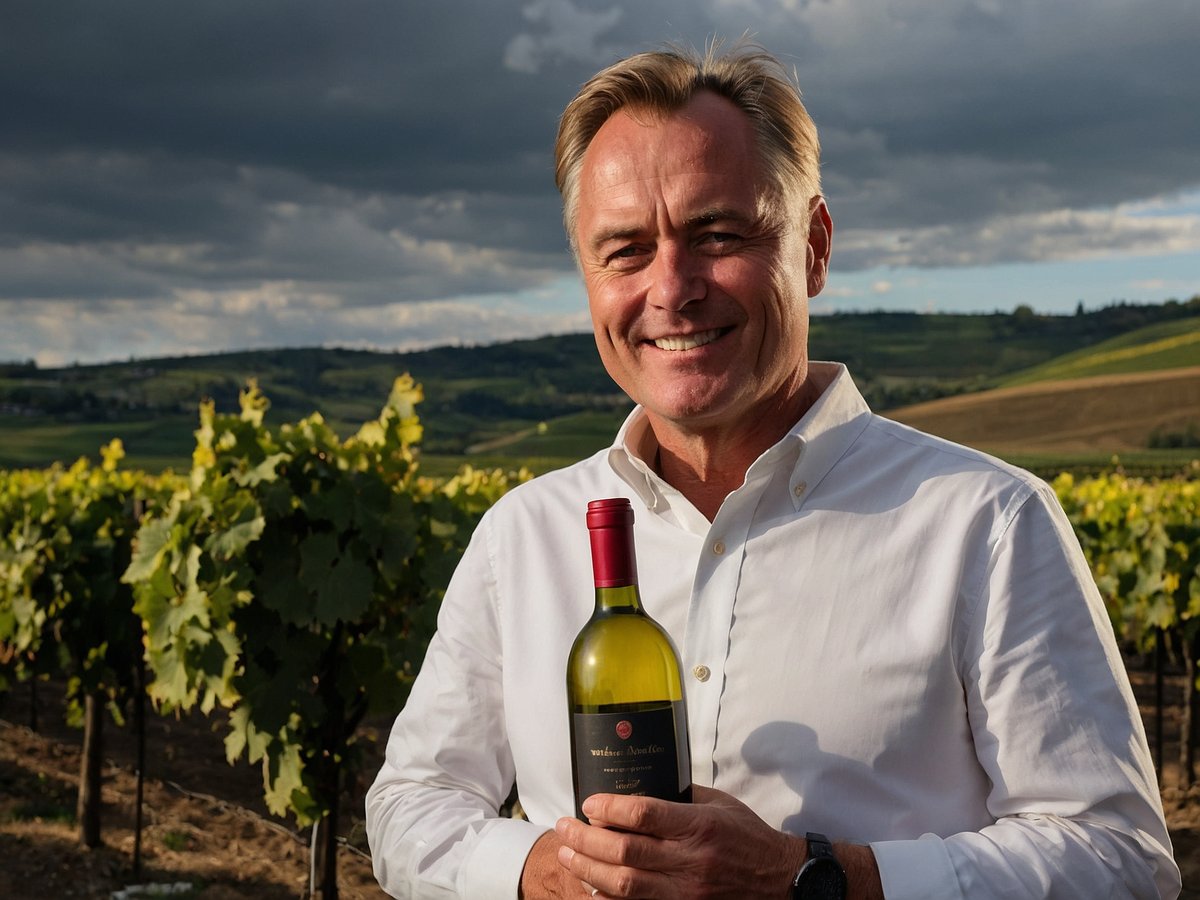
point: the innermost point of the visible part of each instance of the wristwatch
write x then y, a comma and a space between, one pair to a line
821, 877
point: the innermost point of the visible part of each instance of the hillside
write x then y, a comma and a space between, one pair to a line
1163, 346
1131, 392
545, 401
1108, 413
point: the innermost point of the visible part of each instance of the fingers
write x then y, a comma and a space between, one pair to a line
642, 815
604, 879
619, 863
597, 842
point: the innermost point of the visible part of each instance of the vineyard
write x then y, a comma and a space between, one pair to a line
292, 580
287, 585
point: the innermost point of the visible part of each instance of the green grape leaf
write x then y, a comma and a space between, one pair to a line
233, 541
152, 542
244, 736
282, 779
265, 471
334, 504
170, 685
343, 590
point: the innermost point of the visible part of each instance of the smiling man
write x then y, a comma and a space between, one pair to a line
902, 681
698, 272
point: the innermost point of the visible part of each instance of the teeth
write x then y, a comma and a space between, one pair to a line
687, 341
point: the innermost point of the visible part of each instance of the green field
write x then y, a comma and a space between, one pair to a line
547, 402
150, 445
1166, 345
1132, 401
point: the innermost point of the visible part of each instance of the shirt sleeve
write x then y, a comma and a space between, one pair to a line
432, 813
1073, 789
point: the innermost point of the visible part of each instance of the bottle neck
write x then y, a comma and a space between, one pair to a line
614, 564
618, 599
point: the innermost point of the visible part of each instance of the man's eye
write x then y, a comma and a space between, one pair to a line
719, 238
624, 255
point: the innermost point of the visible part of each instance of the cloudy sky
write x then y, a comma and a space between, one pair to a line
221, 174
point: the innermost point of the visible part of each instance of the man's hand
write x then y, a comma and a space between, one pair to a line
716, 847
544, 879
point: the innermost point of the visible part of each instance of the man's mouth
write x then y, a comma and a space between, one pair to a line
688, 341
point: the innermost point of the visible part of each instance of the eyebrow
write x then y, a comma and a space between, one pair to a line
613, 234
719, 214
699, 220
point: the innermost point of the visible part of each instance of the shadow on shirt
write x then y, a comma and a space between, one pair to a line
793, 752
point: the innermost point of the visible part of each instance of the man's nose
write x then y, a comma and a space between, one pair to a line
677, 277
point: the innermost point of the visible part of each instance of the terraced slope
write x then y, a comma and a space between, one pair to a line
1104, 412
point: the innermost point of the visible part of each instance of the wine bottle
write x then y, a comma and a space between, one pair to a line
628, 723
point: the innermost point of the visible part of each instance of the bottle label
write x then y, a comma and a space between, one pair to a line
631, 753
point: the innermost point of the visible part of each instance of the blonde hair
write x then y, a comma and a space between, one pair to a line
664, 81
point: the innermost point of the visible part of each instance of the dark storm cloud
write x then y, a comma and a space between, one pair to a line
362, 154
975, 109
367, 93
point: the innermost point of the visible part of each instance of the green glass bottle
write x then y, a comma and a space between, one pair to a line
628, 723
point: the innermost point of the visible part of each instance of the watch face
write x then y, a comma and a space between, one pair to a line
820, 879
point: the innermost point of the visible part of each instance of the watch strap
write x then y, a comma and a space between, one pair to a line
821, 877
819, 846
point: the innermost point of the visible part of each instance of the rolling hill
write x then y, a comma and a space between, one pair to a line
1163, 346
1124, 394
547, 401
1101, 413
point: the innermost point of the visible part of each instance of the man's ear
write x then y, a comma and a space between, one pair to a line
820, 242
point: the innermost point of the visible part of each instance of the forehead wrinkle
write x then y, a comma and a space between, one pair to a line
637, 161
719, 214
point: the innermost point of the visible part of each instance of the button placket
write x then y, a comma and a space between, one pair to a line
709, 621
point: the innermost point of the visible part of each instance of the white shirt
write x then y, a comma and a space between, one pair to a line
886, 637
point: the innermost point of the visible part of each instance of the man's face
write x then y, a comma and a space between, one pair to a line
698, 287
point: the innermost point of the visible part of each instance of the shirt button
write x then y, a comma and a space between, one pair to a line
718, 547
800, 488
701, 673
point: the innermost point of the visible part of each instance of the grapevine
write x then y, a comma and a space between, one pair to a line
1142, 541
294, 581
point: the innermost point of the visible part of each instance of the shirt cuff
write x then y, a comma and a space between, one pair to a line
916, 870
493, 871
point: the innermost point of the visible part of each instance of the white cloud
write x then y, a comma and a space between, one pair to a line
834, 290
1050, 236
274, 314
566, 33
277, 187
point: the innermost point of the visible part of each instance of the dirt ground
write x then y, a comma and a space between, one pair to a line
204, 825
204, 822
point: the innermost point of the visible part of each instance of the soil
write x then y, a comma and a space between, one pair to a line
206, 833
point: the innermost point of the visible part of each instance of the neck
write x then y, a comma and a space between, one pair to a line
708, 464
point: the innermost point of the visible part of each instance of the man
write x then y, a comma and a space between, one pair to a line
888, 639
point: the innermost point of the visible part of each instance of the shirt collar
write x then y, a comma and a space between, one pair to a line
828, 430
635, 443
811, 447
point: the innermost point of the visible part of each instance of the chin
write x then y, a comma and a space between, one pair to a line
692, 411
